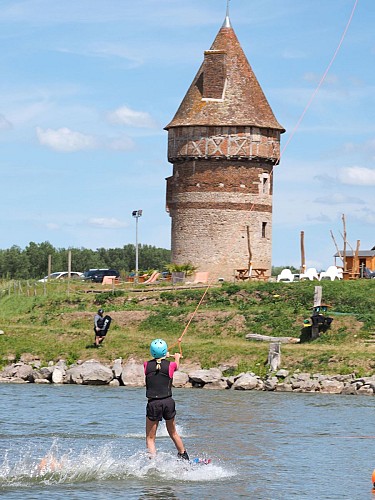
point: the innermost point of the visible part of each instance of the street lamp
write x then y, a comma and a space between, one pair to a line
137, 214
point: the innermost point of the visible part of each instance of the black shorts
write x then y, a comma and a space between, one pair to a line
157, 409
100, 333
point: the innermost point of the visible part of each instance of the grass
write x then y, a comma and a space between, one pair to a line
56, 324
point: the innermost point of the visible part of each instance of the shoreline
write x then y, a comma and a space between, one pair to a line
131, 374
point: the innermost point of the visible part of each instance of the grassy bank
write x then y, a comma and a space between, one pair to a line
56, 324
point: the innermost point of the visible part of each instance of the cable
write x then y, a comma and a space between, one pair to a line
321, 81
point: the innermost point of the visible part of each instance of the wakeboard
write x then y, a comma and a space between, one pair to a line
200, 461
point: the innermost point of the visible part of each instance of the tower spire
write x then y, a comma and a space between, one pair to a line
226, 23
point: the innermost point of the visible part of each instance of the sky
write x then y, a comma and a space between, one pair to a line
87, 87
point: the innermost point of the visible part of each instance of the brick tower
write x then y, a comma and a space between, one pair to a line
223, 141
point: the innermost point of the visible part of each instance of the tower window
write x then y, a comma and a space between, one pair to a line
264, 225
265, 184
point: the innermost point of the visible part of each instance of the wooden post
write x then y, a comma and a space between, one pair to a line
250, 265
69, 268
318, 296
344, 238
49, 271
355, 269
303, 262
337, 248
317, 303
274, 356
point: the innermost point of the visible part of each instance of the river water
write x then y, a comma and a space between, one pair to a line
262, 445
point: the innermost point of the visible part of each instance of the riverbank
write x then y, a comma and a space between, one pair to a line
131, 374
58, 326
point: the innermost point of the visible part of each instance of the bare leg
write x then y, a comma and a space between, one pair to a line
151, 428
171, 428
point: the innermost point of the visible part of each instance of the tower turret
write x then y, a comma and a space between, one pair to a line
223, 141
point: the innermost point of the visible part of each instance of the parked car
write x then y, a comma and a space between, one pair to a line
97, 275
61, 276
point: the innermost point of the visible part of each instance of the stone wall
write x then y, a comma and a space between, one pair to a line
212, 204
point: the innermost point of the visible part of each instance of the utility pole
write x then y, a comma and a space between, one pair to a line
136, 214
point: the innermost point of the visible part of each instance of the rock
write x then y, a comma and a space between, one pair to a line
349, 390
246, 382
43, 373
41, 381
270, 384
114, 383
202, 377
2, 332
133, 374
91, 372
309, 386
284, 387
217, 384
117, 367
19, 371
331, 387
62, 364
58, 375
282, 373
180, 379
366, 390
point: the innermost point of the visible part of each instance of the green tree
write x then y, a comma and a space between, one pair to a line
14, 263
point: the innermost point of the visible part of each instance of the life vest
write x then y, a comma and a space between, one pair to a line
158, 381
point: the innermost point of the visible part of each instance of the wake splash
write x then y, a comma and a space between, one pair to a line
100, 464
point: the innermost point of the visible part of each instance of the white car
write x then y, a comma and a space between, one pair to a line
61, 276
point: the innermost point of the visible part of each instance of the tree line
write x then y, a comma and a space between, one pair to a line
32, 261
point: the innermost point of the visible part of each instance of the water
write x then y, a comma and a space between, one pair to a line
262, 445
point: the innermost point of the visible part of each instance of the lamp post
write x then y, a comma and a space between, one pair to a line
136, 214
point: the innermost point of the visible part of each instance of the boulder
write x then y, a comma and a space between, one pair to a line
117, 368
284, 387
19, 371
133, 374
246, 382
201, 377
58, 375
180, 379
91, 372
349, 390
217, 384
331, 387
366, 389
43, 373
270, 383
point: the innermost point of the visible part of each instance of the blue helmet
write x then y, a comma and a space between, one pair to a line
158, 348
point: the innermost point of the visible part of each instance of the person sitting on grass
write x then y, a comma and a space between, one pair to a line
159, 376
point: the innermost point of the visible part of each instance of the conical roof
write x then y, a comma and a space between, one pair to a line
242, 102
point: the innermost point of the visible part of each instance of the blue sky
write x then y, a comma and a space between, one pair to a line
87, 86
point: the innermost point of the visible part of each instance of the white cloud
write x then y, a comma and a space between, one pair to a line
130, 117
4, 123
52, 225
338, 199
357, 176
64, 139
106, 223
